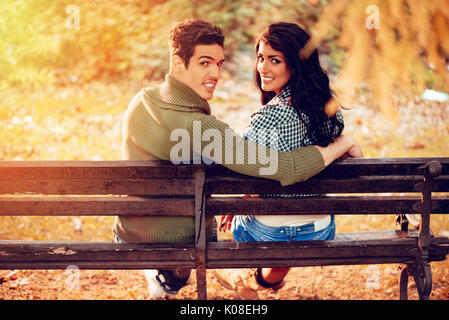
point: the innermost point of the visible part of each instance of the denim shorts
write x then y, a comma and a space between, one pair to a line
248, 228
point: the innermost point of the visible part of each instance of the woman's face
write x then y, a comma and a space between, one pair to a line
272, 67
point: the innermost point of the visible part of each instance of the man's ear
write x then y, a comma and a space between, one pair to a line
177, 64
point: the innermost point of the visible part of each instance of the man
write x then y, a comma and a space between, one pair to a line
180, 105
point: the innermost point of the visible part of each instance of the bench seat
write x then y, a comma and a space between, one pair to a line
377, 247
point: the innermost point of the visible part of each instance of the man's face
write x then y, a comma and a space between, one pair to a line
204, 70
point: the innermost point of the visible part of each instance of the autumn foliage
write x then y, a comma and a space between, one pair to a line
388, 48
395, 46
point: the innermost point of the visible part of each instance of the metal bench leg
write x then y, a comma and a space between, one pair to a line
425, 280
420, 269
422, 275
403, 282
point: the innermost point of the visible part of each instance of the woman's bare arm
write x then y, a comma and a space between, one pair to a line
343, 145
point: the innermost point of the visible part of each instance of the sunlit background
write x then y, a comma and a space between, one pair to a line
68, 69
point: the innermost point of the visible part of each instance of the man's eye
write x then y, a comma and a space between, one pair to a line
204, 63
220, 64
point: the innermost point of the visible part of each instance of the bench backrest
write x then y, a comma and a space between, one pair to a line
354, 186
148, 185
96, 188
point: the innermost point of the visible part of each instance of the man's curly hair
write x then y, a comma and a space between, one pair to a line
185, 35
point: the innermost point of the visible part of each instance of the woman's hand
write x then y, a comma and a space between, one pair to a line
225, 223
342, 145
354, 151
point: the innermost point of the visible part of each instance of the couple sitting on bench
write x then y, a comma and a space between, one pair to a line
299, 110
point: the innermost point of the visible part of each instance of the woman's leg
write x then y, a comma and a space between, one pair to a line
251, 230
273, 276
246, 282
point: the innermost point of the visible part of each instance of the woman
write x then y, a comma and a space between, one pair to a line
294, 93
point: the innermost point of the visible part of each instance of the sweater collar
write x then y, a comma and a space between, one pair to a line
177, 96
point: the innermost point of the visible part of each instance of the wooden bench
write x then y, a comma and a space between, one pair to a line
400, 187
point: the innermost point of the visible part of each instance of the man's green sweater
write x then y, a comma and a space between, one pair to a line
151, 118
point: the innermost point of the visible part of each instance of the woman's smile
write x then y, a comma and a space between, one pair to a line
267, 80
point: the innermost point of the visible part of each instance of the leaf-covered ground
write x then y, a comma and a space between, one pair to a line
83, 122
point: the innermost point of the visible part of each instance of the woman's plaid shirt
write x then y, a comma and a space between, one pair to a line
277, 125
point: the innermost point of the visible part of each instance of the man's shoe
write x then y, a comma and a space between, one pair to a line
157, 285
154, 288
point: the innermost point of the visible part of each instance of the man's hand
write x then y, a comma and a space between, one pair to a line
343, 146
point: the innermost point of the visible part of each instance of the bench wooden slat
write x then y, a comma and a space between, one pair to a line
377, 247
98, 265
313, 262
362, 167
121, 169
172, 206
354, 248
95, 255
98, 186
441, 184
383, 166
229, 185
323, 205
95, 206
177, 186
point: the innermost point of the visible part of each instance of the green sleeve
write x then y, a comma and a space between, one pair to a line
215, 141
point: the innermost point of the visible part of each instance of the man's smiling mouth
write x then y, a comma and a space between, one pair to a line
210, 84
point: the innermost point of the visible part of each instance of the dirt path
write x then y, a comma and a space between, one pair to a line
311, 283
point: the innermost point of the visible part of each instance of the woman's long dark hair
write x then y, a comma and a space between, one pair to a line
309, 82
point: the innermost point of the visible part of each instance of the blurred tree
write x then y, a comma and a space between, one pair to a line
389, 46
109, 41
82, 40
396, 46
25, 46
71, 40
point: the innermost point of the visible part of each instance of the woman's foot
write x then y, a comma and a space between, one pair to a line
247, 282
271, 277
